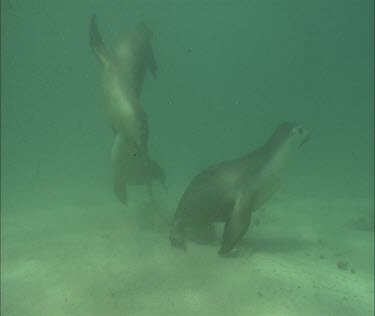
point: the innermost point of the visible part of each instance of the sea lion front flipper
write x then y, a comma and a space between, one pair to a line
236, 225
96, 42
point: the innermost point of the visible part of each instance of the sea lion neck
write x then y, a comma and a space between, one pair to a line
268, 158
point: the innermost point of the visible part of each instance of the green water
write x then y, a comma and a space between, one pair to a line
228, 73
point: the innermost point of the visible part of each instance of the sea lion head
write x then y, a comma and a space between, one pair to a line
289, 135
298, 135
293, 134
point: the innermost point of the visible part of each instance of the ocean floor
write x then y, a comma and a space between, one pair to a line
91, 256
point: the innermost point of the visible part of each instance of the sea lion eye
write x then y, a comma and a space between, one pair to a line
297, 130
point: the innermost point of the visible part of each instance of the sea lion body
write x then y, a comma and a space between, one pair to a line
230, 191
123, 76
124, 71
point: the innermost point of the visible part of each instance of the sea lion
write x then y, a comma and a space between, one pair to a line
124, 73
232, 190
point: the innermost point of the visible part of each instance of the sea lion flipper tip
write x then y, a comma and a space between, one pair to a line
236, 226
147, 33
96, 41
152, 64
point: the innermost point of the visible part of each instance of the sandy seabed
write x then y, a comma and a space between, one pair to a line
91, 256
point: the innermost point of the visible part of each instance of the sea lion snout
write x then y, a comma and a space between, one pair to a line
293, 133
288, 135
303, 134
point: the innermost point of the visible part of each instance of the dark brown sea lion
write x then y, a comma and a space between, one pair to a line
123, 76
232, 190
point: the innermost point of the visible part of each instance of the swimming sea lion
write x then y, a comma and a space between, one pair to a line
124, 73
230, 191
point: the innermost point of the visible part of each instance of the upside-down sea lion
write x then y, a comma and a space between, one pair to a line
230, 191
123, 76
124, 73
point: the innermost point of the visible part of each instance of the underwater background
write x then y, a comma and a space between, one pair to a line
228, 73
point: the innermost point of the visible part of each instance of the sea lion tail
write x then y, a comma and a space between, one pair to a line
119, 187
96, 42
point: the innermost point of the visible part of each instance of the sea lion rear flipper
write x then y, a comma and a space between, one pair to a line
96, 42
152, 63
236, 226
158, 174
117, 159
144, 31
119, 186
